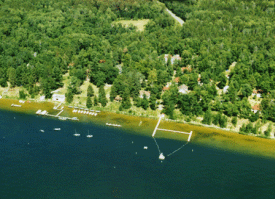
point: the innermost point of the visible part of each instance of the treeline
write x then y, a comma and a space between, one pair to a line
42, 40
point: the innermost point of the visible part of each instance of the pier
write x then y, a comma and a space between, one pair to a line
15, 105
161, 156
156, 128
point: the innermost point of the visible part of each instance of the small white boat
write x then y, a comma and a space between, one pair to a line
41, 130
89, 136
76, 134
38, 112
145, 147
161, 156
57, 129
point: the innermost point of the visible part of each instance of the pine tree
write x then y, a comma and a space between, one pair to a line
90, 91
153, 100
113, 93
89, 102
126, 103
234, 121
69, 96
95, 101
144, 102
102, 96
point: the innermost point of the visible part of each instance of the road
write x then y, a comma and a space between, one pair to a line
175, 17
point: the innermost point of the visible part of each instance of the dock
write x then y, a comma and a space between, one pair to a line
161, 156
115, 125
15, 105
156, 128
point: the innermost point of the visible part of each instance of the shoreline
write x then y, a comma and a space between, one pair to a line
211, 137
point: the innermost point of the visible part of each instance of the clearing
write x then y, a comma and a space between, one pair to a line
140, 24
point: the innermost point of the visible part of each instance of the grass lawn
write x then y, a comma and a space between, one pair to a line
140, 24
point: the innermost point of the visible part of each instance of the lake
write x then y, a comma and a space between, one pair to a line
114, 164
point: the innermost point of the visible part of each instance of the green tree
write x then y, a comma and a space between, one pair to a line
207, 117
222, 80
90, 91
12, 76
113, 93
69, 95
153, 100
246, 90
89, 103
95, 101
126, 102
22, 94
234, 121
144, 102
102, 96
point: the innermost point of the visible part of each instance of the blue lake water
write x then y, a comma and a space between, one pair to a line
113, 164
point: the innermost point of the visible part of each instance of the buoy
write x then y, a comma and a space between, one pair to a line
132, 142
136, 152
161, 156
192, 150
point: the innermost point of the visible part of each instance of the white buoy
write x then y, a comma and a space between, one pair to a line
132, 142
161, 156
192, 150
136, 152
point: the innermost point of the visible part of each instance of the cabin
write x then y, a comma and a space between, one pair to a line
188, 68
256, 108
225, 89
257, 93
183, 89
118, 98
173, 58
58, 98
177, 80
165, 88
42, 98
146, 93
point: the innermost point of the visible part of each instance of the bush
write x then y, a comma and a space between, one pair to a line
22, 95
234, 121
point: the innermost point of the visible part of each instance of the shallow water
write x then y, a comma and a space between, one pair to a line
113, 164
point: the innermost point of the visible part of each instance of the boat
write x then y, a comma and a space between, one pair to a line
145, 147
76, 134
89, 136
161, 156
41, 130
38, 112
74, 118
62, 118
57, 129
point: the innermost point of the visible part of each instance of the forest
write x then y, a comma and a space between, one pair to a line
221, 44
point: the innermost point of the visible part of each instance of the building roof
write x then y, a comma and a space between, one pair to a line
147, 93
165, 88
177, 79
118, 98
183, 87
188, 68
256, 107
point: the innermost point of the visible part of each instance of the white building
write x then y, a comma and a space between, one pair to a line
183, 89
225, 89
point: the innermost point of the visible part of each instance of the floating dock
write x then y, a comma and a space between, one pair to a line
115, 125
15, 105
